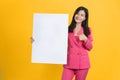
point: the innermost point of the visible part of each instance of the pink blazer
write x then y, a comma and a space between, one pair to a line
77, 55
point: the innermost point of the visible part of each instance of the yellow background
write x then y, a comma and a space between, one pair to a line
16, 23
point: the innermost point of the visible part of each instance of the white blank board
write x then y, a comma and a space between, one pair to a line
50, 32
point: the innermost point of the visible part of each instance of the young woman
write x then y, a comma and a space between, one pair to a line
79, 43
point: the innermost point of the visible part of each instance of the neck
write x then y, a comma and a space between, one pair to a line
78, 25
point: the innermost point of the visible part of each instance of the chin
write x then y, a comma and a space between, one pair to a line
78, 21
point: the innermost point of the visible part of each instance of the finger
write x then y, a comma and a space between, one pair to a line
81, 37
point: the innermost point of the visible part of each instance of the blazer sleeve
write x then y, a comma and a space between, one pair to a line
88, 44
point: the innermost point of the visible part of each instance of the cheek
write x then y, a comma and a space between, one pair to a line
80, 17
83, 18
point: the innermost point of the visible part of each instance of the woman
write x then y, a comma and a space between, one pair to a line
79, 43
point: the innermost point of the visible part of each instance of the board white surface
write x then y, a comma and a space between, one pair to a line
50, 32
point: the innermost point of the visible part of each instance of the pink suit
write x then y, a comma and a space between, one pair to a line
77, 56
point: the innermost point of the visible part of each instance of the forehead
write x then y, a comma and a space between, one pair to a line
81, 12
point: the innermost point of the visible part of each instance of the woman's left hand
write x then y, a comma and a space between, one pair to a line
83, 37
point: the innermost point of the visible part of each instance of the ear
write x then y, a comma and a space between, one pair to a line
75, 18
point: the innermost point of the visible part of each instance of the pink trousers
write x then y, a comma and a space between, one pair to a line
80, 74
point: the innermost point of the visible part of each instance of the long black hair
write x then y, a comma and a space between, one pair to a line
84, 23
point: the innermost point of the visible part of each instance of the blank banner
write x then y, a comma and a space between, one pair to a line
50, 32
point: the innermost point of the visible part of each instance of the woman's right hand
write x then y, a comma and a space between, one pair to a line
32, 40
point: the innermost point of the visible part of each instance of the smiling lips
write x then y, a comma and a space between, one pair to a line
78, 19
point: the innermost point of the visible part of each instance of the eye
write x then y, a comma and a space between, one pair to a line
82, 15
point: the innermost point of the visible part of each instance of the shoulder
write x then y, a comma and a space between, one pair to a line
90, 29
69, 33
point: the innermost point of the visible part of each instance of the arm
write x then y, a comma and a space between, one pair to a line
88, 43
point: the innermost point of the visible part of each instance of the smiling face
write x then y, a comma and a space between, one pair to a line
80, 16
